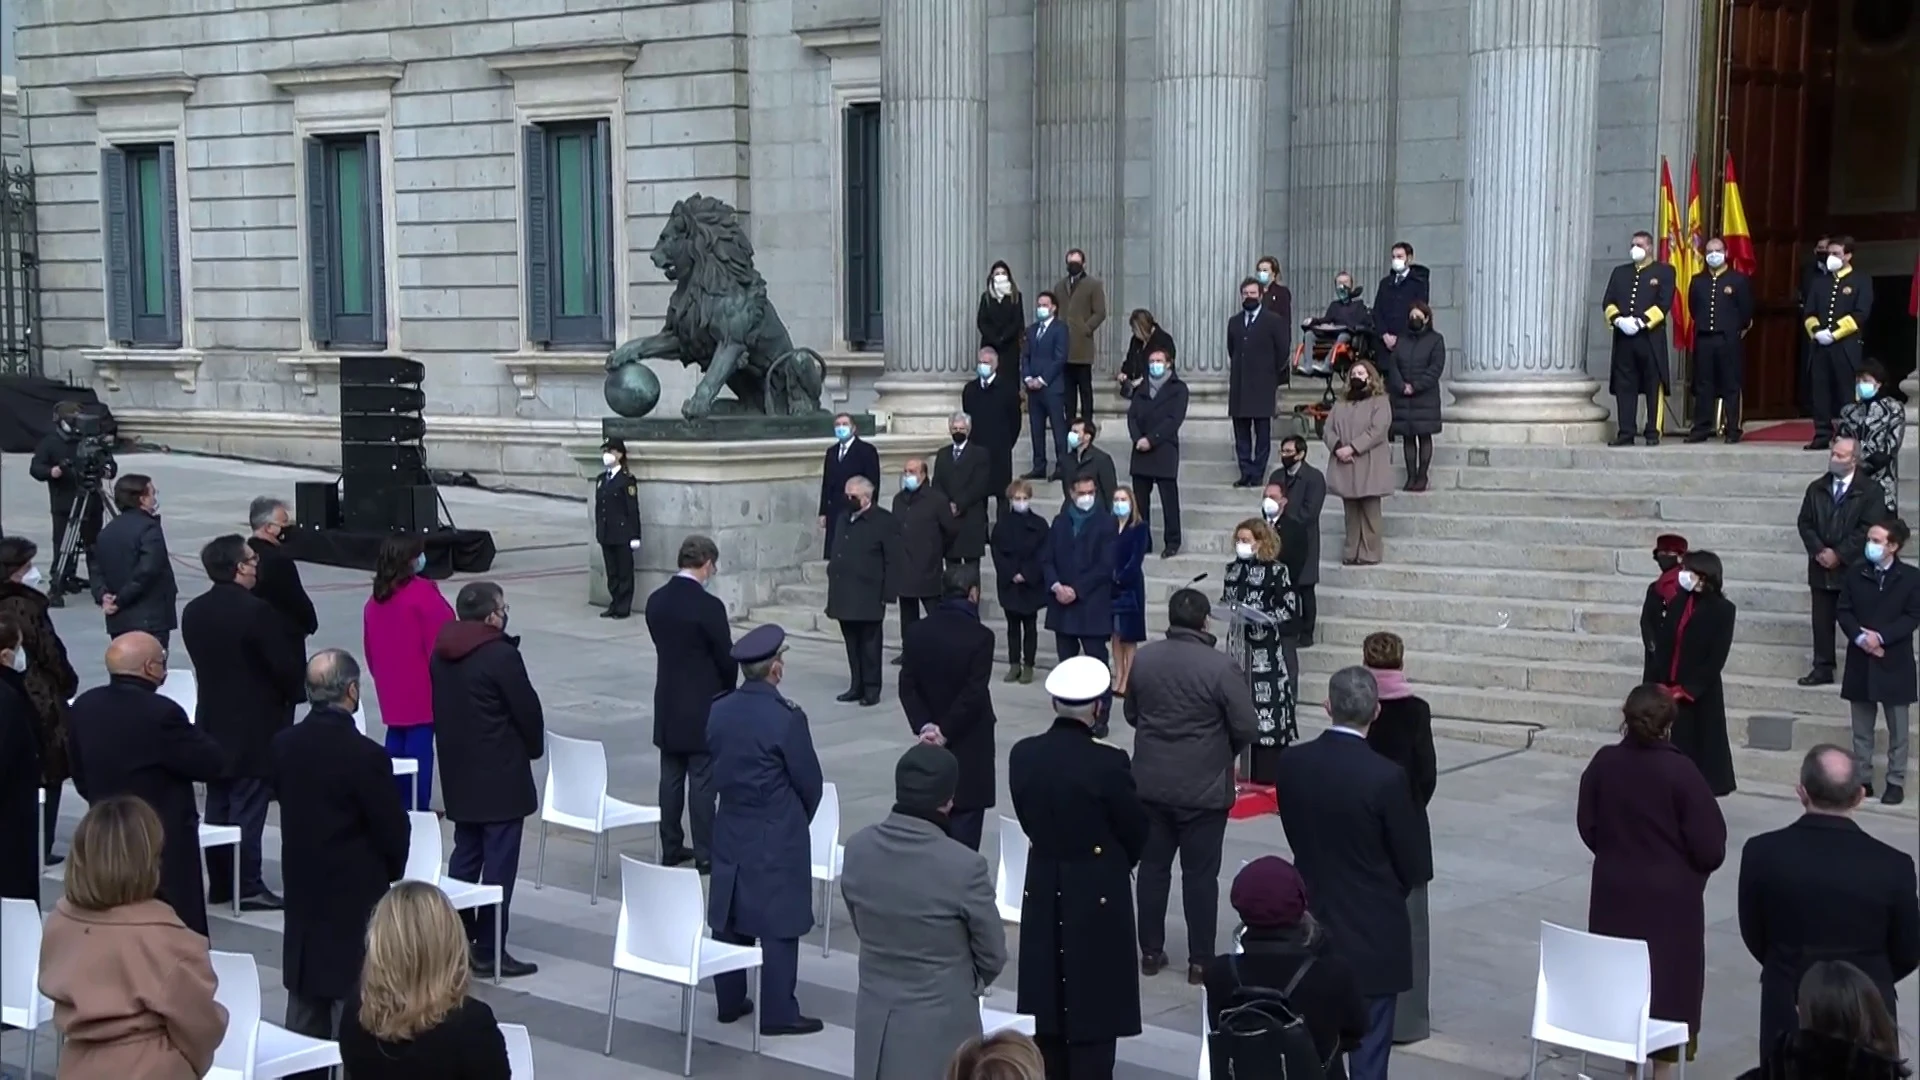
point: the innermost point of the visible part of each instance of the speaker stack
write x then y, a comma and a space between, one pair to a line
383, 477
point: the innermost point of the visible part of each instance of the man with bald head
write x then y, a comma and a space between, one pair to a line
124, 738
1822, 889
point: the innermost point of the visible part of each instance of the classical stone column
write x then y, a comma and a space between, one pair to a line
1209, 94
1076, 151
1340, 197
933, 217
1533, 77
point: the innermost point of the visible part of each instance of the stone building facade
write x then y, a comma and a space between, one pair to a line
1514, 143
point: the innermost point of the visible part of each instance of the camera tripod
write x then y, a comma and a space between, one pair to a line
66, 559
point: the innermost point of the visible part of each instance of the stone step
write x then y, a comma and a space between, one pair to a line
1615, 482
1344, 637
1675, 513
1210, 532
1670, 456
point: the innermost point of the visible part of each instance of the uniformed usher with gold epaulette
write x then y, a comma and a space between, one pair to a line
1644, 293
1837, 304
1721, 302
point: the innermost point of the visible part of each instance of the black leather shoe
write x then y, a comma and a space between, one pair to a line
1698, 437
1152, 963
851, 695
264, 900
1894, 797
1867, 789
746, 1009
1816, 678
1732, 438
1653, 440
1170, 551
621, 615
607, 613
53, 860
511, 967
870, 701
806, 1025
1037, 474
1621, 440
1817, 444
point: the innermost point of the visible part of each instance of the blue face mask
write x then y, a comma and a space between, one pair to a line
1043, 313
1866, 390
842, 432
1073, 440
1158, 371
1876, 553
1122, 509
984, 369
420, 563
910, 482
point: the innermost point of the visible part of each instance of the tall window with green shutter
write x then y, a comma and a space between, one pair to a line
141, 212
346, 249
568, 183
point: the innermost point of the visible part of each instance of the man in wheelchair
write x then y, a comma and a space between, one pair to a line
1335, 340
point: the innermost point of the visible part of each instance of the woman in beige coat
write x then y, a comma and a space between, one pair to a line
132, 987
1360, 471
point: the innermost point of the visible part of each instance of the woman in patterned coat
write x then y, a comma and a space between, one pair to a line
1257, 579
50, 679
1878, 423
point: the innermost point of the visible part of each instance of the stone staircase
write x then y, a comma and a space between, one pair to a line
1517, 582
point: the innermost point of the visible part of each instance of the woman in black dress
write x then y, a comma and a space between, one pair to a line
1257, 579
1018, 538
1002, 317
1689, 654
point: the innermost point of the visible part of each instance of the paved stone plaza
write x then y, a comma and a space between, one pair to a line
1506, 853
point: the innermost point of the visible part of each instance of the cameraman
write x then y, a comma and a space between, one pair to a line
54, 465
133, 573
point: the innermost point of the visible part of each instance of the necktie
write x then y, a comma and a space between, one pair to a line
1839, 490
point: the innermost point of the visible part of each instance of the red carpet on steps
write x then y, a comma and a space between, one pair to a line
1791, 431
1252, 800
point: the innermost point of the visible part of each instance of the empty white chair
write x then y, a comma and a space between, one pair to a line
426, 862
213, 836
662, 934
21, 1003
576, 798
1010, 877
254, 1049
183, 689
1593, 995
519, 1051
828, 856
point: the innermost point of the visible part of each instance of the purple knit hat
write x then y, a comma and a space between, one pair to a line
1269, 892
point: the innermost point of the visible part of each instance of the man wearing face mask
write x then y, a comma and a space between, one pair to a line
278, 580
1721, 301
1879, 609
1639, 295
1044, 373
1404, 285
848, 457
1256, 370
1836, 313
1306, 489
924, 521
616, 526
1154, 416
863, 578
1346, 312
53, 466
963, 477
132, 572
1083, 305
1088, 460
691, 639
994, 404
1835, 515
1078, 566
1296, 545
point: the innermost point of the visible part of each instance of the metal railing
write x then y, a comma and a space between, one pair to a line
20, 352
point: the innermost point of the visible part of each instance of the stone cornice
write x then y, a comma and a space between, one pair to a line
586, 58
359, 75
859, 37
125, 89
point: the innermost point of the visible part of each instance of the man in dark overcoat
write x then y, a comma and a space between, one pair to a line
994, 403
1879, 612
124, 738
278, 579
1256, 370
924, 521
1306, 488
692, 641
963, 474
1835, 514
1639, 295
768, 779
1078, 565
848, 457
132, 574
863, 577
1822, 889
250, 670
1155, 415
947, 664
1086, 459
1075, 800
344, 837
616, 526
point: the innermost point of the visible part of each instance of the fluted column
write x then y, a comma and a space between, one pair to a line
1076, 151
933, 216
1533, 77
1340, 198
1209, 94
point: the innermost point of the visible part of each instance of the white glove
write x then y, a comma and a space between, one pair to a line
1824, 337
633, 545
1628, 326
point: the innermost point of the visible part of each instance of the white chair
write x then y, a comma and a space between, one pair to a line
662, 934
1593, 995
183, 689
576, 798
254, 1049
828, 856
213, 836
426, 862
1010, 877
994, 1021
21, 1003
519, 1051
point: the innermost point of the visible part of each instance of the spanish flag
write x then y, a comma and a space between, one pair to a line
1733, 224
1676, 252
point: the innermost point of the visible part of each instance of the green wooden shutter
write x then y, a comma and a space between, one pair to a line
119, 244
539, 247
319, 246
376, 247
606, 263
170, 229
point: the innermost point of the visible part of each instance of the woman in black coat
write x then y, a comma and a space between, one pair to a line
1846, 1031
1275, 297
19, 777
1413, 371
1002, 317
1148, 335
48, 677
1018, 539
1689, 654
1403, 734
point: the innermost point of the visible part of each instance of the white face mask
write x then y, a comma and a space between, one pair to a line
1637, 253
1833, 264
32, 579
1083, 502
1020, 506
1270, 507
1242, 550
1689, 580
1716, 259
609, 459
1399, 264
20, 660
1001, 286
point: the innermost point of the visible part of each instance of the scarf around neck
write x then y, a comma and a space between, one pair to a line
1392, 684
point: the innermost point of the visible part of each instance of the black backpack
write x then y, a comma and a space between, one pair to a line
1261, 1036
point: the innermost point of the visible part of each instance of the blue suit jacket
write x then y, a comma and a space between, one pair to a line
1047, 355
1084, 563
768, 779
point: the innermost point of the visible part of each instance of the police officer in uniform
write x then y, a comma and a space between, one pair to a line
1721, 301
616, 525
1075, 800
768, 780
1836, 311
1639, 295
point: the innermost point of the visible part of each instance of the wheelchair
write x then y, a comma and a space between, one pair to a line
1327, 353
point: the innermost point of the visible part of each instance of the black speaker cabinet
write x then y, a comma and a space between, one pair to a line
380, 371
381, 400
415, 508
381, 429
366, 505
316, 504
402, 463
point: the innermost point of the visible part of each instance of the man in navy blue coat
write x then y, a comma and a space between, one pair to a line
768, 780
1078, 562
691, 640
848, 457
1044, 372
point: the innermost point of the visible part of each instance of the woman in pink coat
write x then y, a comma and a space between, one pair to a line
402, 618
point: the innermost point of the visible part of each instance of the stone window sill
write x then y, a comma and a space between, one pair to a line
307, 367
527, 367
113, 363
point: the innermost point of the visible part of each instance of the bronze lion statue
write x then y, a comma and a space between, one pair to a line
721, 320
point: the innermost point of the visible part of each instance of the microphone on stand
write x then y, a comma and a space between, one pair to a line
1197, 579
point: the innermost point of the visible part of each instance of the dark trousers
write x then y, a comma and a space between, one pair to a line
966, 826
911, 608
50, 817
241, 802
1169, 507
1080, 389
1309, 611
1047, 407
1252, 442
1829, 386
1023, 637
314, 1017
779, 975
487, 853
1826, 616
1626, 405
1196, 836
1002, 458
1717, 371
416, 742
1076, 1060
619, 559
863, 640
1368, 1061
683, 776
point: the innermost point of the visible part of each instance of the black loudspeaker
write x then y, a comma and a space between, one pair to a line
381, 400
381, 429
316, 504
366, 506
381, 371
406, 462
415, 508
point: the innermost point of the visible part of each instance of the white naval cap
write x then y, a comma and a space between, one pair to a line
1079, 679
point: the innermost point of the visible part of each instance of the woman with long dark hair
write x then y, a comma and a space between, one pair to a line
1846, 1031
48, 678
401, 620
1689, 654
1413, 371
1002, 317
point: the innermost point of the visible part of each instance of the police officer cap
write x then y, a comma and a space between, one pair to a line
760, 643
616, 444
1079, 679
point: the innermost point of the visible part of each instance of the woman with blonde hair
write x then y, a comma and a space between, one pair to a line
414, 1020
1257, 579
132, 987
1361, 469
1129, 585
1004, 1055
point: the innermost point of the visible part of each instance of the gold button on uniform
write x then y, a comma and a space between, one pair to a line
1096, 849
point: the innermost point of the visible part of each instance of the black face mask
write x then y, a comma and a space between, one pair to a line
1074, 268
854, 504
1249, 304
1360, 387
1288, 462
959, 438
1417, 323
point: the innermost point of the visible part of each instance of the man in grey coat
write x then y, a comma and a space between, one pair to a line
931, 942
1192, 713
